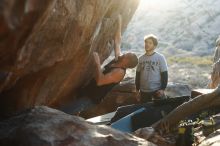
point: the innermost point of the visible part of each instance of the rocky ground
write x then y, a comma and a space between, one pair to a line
193, 75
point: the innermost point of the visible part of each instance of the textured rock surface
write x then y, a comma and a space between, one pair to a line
212, 140
46, 47
215, 76
208, 134
177, 90
149, 134
43, 126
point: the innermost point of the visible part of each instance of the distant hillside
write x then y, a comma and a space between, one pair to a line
187, 27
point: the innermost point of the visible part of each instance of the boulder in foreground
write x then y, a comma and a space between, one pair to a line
43, 126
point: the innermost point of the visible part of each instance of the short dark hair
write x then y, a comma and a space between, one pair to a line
133, 60
152, 37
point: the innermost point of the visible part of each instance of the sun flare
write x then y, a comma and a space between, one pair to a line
158, 4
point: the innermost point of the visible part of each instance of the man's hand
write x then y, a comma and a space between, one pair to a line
160, 93
96, 58
116, 57
138, 96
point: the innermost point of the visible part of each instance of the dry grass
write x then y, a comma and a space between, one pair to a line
197, 60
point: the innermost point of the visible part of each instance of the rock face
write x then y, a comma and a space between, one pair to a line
215, 79
46, 47
43, 126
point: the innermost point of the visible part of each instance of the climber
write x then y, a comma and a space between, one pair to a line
113, 72
105, 80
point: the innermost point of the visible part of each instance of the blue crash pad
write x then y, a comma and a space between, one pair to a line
124, 124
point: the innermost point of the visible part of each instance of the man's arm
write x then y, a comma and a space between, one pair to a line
117, 47
138, 76
164, 79
137, 80
163, 73
137, 84
164, 76
115, 76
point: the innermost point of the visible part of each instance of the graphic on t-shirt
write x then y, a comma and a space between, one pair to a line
150, 68
148, 65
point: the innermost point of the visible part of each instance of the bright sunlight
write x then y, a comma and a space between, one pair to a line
158, 4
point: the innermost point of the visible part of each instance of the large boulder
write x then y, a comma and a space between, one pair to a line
43, 126
175, 90
46, 47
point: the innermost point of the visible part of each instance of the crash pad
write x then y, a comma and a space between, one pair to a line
125, 123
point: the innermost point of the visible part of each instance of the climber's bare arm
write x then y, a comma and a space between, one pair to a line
115, 76
117, 38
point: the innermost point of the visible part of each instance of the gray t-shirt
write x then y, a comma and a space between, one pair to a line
150, 68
